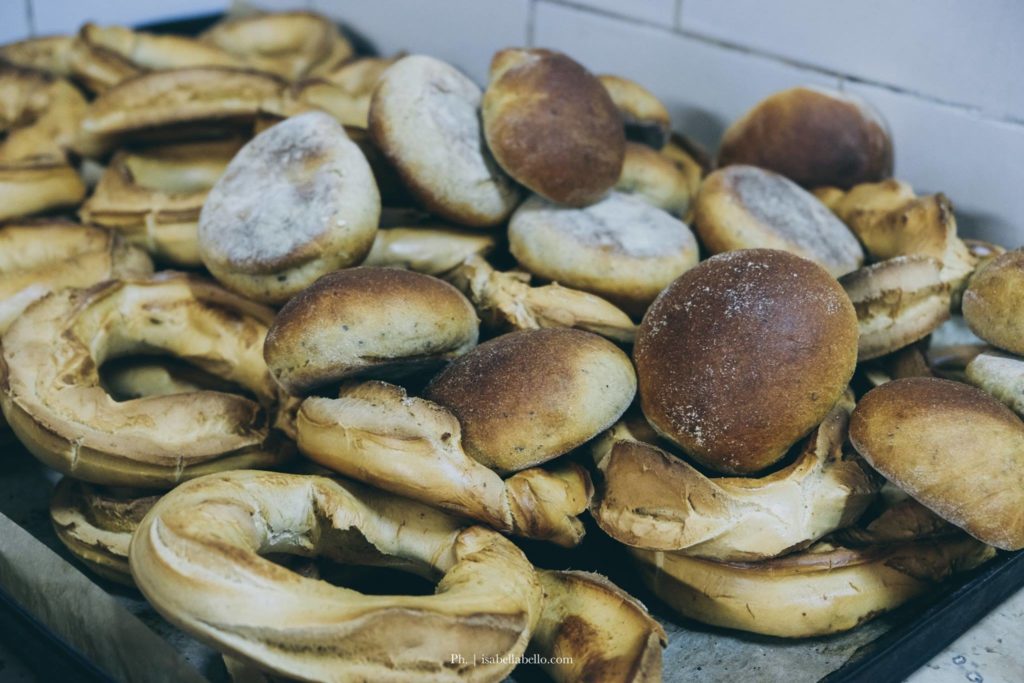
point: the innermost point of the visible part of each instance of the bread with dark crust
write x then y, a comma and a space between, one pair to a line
813, 136
527, 397
743, 355
552, 126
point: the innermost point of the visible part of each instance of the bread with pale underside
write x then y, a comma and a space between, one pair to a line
656, 178
1001, 375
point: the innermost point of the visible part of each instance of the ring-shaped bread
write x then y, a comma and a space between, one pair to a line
377, 434
197, 559
53, 398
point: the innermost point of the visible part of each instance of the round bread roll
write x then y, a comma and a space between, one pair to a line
744, 207
198, 559
296, 202
814, 136
430, 249
915, 431
655, 178
646, 119
552, 126
1000, 375
527, 397
743, 355
425, 118
621, 248
993, 304
380, 321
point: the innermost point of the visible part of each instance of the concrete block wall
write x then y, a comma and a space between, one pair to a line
947, 74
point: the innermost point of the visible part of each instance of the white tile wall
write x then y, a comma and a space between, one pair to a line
62, 16
13, 20
662, 12
966, 52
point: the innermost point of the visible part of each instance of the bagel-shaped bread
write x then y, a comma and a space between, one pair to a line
915, 432
40, 256
288, 44
1000, 375
527, 397
153, 196
592, 630
297, 202
993, 304
52, 396
825, 589
425, 118
813, 136
196, 558
552, 126
378, 435
96, 524
898, 302
48, 54
645, 117
655, 178
432, 250
744, 355
507, 302
368, 321
648, 498
745, 207
622, 249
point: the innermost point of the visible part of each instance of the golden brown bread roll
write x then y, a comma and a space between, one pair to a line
377, 321
1000, 375
656, 178
915, 432
645, 117
425, 118
622, 249
898, 302
38, 186
52, 396
297, 202
356, 80
428, 249
743, 355
552, 126
993, 303
197, 559
745, 207
648, 498
814, 136
48, 54
527, 397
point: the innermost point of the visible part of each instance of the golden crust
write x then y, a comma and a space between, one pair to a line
645, 117
48, 54
656, 178
552, 126
993, 303
743, 355
527, 397
428, 249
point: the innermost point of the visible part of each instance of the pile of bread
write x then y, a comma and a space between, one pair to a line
401, 321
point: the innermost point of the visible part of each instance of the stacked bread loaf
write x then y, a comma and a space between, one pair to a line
418, 321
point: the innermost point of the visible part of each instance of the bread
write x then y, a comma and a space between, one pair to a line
814, 136
424, 117
1000, 375
646, 119
376, 434
507, 302
745, 207
153, 196
51, 394
196, 559
993, 304
33, 187
528, 397
381, 322
429, 249
655, 178
298, 201
915, 432
649, 498
552, 126
743, 355
621, 249
48, 54
357, 79
898, 302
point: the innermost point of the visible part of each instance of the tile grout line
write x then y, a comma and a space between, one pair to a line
531, 22
976, 111
30, 18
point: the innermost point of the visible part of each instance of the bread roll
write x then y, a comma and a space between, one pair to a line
993, 304
744, 207
368, 321
527, 397
357, 79
655, 178
425, 118
814, 136
552, 126
646, 119
1000, 375
621, 249
743, 355
429, 249
297, 202
48, 54
952, 447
